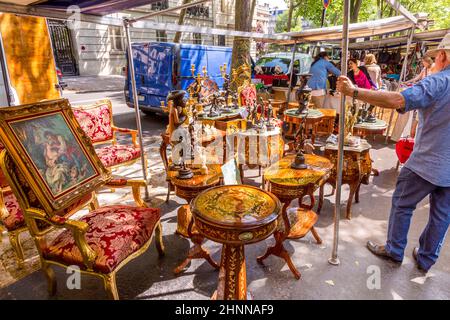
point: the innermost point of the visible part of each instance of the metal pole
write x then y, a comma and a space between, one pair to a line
126, 25
402, 76
334, 260
294, 48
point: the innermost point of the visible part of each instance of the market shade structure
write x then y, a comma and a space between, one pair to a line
96, 7
356, 30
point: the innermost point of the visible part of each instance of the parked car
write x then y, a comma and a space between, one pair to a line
162, 67
269, 64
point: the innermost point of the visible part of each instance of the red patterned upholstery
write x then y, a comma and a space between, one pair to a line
248, 96
96, 122
115, 232
117, 154
14, 219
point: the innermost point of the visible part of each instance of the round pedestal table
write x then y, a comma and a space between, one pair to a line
235, 215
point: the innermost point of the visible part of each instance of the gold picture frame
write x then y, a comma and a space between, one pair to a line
53, 153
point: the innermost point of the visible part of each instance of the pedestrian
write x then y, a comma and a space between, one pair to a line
359, 75
319, 70
427, 171
428, 69
374, 70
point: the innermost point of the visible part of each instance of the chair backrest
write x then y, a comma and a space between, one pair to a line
96, 120
49, 161
247, 94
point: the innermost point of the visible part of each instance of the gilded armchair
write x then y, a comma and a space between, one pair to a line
97, 121
102, 241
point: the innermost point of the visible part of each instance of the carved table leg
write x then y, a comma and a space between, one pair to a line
232, 274
316, 235
184, 228
321, 196
278, 249
354, 185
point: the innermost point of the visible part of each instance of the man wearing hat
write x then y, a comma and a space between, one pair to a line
427, 172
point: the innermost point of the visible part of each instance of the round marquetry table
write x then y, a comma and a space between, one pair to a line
288, 184
188, 189
313, 117
369, 129
235, 215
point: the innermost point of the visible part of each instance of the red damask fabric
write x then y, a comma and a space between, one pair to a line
15, 218
117, 154
248, 96
115, 232
96, 122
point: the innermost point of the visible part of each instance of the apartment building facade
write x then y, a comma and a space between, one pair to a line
100, 49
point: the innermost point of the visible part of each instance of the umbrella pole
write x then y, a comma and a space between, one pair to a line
334, 260
126, 25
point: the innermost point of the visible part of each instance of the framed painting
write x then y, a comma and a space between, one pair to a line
56, 157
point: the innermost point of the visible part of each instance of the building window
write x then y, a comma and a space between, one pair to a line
197, 38
223, 6
160, 5
161, 36
221, 41
115, 36
200, 11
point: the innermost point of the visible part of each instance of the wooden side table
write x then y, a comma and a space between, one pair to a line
357, 170
188, 189
293, 120
259, 149
288, 184
326, 125
235, 216
369, 129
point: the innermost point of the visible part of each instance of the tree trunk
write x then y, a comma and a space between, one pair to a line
355, 6
243, 22
177, 37
290, 13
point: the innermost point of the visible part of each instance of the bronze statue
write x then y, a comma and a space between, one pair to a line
303, 94
176, 105
299, 162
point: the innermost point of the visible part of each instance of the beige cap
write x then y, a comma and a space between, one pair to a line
444, 45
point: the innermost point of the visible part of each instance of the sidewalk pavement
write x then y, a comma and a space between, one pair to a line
86, 84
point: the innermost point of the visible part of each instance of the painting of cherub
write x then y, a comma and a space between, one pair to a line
54, 151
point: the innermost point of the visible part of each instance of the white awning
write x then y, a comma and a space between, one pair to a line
356, 30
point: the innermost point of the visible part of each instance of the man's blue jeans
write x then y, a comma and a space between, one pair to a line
410, 190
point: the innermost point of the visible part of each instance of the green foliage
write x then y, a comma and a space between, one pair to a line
311, 10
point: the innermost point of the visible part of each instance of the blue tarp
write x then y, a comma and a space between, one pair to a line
96, 7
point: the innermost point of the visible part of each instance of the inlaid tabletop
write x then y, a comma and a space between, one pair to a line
236, 205
199, 179
232, 113
378, 125
281, 172
312, 113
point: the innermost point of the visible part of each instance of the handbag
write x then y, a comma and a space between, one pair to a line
403, 148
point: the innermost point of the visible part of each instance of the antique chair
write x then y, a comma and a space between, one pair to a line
101, 242
247, 94
11, 218
97, 121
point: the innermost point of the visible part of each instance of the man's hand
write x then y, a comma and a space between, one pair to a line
345, 86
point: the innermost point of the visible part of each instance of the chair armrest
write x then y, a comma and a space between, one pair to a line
132, 132
135, 187
78, 228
